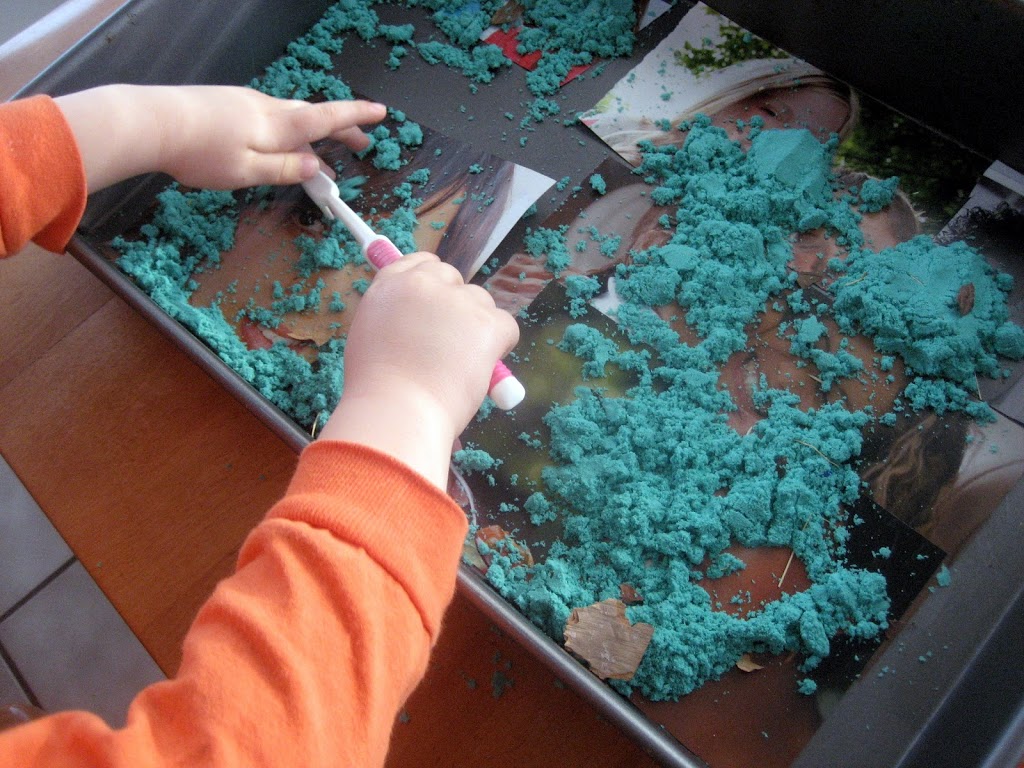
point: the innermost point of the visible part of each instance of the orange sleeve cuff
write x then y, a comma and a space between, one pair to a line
42, 181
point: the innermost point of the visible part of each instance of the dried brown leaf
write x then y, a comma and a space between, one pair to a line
601, 635
747, 664
510, 12
318, 337
807, 279
965, 298
472, 556
629, 594
493, 535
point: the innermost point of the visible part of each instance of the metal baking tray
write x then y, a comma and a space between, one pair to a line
964, 707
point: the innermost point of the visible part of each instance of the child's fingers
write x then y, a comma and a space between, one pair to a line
330, 118
353, 138
280, 168
411, 261
323, 167
508, 331
448, 273
481, 296
506, 327
441, 271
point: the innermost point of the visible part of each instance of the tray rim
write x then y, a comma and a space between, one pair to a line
651, 737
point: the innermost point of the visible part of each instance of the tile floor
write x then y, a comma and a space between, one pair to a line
62, 643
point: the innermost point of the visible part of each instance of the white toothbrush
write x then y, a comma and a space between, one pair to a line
505, 389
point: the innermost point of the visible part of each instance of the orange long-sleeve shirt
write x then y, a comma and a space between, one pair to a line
305, 655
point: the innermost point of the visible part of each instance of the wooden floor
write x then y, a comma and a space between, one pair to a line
153, 475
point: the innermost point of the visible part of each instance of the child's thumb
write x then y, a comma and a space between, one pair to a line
283, 168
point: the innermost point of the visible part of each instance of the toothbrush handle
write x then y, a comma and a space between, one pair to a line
505, 389
380, 252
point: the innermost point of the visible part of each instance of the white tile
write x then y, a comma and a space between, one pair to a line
75, 652
30, 547
10, 691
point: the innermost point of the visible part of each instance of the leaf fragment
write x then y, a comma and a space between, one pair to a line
747, 664
602, 636
629, 595
510, 12
495, 538
965, 298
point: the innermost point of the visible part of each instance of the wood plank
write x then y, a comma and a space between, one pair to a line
150, 471
45, 296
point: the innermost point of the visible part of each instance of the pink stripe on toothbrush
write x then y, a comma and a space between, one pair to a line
380, 252
500, 373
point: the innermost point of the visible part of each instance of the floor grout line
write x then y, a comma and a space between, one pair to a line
37, 589
19, 678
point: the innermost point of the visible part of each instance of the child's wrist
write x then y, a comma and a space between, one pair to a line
169, 112
412, 427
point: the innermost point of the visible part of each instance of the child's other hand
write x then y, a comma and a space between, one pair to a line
216, 137
221, 137
418, 362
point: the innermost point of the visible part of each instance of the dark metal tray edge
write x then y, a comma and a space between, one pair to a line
660, 744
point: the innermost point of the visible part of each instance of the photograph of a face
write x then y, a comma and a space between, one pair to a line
936, 458
723, 721
710, 66
571, 511
444, 197
270, 285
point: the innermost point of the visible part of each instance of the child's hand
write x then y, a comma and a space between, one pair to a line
418, 362
225, 138
218, 137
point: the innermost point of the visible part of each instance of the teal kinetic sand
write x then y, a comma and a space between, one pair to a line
653, 486
188, 233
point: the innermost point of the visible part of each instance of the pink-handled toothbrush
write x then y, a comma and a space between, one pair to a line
505, 389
